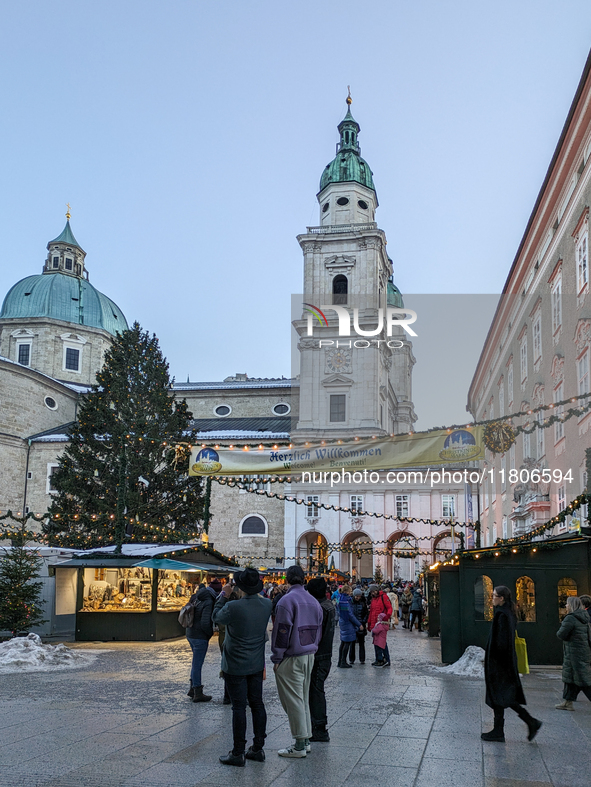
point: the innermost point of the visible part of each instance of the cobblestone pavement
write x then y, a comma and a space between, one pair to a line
127, 722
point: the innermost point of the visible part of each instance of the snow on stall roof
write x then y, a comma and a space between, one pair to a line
242, 434
29, 654
132, 550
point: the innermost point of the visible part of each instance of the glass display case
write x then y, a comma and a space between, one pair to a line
117, 590
175, 588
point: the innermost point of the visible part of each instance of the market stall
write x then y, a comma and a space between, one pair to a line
136, 595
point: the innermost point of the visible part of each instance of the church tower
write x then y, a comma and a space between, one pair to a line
356, 385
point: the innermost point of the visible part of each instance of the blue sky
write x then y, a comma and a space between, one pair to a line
189, 138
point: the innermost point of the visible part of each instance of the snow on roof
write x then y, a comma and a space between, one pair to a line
132, 550
236, 384
242, 434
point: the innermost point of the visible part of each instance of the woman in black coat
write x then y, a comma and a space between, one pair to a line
503, 687
575, 634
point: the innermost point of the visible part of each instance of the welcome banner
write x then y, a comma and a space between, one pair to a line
425, 449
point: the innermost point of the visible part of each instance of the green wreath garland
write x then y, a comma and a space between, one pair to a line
498, 436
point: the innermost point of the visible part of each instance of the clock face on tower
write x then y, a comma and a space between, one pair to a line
338, 361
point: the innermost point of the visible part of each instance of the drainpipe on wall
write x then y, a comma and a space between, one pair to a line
26, 478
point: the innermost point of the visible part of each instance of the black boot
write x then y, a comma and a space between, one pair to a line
533, 725
199, 696
191, 690
320, 735
497, 734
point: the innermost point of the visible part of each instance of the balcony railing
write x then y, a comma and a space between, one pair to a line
330, 228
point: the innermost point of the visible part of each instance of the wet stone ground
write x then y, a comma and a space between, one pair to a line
127, 722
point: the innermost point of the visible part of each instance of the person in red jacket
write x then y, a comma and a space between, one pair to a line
379, 603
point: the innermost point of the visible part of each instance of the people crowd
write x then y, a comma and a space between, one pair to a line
304, 617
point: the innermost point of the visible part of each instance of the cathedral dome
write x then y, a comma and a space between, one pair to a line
62, 297
63, 292
348, 165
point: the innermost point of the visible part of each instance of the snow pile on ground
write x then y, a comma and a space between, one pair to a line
471, 664
29, 654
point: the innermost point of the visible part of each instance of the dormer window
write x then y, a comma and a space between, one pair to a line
56, 262
340, 287
69, 263
24, 353
72, 360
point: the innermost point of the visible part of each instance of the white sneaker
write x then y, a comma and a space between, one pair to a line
291, 751
308, 748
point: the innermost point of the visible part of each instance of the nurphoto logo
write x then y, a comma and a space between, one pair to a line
389, 318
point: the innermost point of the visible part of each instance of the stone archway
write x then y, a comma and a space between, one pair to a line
402, 567
442, 546
312, 552
358, 564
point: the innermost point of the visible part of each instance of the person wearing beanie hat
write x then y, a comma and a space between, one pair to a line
243, 661
216, 585
322, 662
348, 626
360, 610
380, 640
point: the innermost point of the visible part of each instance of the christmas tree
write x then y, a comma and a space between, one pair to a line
124, 473
20, 596
378, 577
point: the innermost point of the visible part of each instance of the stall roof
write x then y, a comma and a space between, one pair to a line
178, 565
134, 554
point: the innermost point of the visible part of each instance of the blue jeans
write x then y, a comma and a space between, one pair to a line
199, 648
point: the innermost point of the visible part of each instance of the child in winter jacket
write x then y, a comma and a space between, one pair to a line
380, 642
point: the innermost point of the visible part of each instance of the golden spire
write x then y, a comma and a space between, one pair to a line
68, 216
349, 99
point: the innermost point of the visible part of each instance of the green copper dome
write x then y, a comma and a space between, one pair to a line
59, 296
394, 296
348, 165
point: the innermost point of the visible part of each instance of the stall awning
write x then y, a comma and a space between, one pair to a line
165, 564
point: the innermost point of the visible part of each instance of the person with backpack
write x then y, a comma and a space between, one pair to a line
199, 632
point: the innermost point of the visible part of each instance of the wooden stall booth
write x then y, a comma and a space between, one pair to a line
135, 595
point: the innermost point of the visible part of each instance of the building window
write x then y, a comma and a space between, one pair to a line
537, 338
253, 525
340, 288
559, 425
510, 384
69, 263
583, 372
561, 498
56, 262
523, 359
541, 445
505, 528
72, 359
24, 353
356, 505
49, 487
526, 443
582, 265
222, 410
448, 506
557, 306
50, 402
312, 506
337, 407
401, 506
525, 599
281, 409
502, 396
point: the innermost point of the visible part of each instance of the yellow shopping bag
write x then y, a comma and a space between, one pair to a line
521, 650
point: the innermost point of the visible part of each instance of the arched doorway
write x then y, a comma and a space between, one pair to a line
442, 546
404, 568
358, 562
312, 552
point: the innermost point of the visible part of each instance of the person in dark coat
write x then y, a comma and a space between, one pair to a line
243, 661
503, 687
322, 662
576, 637
199, 635
348, 625
416, 609
586, 602
361, 612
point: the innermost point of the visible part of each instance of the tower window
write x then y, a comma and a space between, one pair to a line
24, 354
69, 263
56, 262
325, 207
72, 359
340, 288
362, 204
343, 201
253, 525
337, 407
